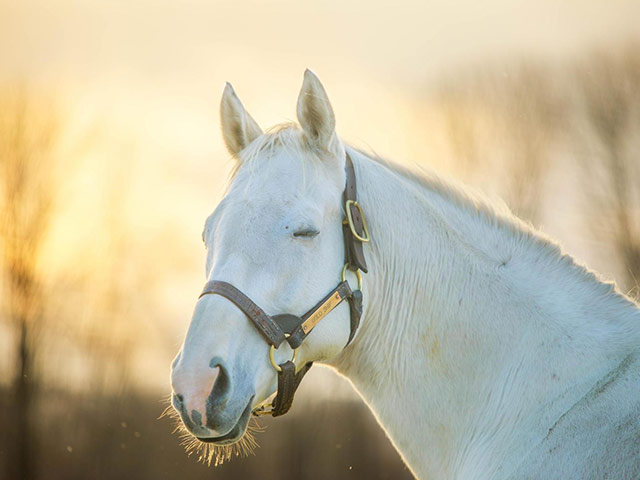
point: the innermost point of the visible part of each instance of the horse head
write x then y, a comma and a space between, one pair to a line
277, 237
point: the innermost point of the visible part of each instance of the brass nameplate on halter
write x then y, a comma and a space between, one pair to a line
332, 302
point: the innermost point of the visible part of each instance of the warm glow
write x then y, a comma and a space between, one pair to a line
140, 161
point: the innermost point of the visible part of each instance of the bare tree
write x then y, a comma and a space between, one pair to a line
610, 88
30, 185
501, 128
533, 111
28, 134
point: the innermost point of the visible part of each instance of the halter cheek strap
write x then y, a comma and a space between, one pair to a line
293, 329
354, 227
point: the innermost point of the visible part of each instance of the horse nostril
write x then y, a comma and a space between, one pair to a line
219, 397
222, 386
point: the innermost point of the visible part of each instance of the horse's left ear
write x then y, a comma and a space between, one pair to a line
315, 113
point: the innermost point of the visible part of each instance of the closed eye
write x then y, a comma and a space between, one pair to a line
306, 233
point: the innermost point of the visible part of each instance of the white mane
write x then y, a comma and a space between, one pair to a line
472, 210
461, 265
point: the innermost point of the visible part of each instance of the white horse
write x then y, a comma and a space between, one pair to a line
483, 350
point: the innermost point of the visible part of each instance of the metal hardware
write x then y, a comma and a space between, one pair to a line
262, 410
366, 237
358, 274
273, 360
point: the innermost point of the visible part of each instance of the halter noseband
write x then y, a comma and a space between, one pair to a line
293, 329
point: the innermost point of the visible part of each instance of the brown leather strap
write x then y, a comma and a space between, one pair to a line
352, 246
269, 329
355, 305
288, 383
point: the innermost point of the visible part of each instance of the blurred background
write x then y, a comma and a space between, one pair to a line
111, 159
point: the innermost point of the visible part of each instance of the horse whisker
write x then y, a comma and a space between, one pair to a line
208, 453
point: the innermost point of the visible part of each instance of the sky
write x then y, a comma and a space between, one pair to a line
172, 58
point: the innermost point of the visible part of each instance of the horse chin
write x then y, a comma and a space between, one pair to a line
236, 433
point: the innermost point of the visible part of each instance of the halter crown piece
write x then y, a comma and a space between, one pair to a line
293, 329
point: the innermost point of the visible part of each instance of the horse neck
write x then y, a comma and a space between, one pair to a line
464, 355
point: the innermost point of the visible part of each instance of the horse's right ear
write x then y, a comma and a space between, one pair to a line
238, 128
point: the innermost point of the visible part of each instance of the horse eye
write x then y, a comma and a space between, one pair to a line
306, 233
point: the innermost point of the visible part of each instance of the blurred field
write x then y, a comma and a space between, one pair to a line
113, 436
110, 160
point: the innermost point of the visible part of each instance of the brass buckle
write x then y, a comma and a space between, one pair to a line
366, 236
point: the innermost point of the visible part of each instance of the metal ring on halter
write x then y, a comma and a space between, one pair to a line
343, 275
273, 360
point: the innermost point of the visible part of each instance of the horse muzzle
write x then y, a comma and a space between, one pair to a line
210, 408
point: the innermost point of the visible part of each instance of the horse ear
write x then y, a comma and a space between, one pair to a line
239, 129
314, 111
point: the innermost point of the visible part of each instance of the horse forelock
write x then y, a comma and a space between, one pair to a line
285, 136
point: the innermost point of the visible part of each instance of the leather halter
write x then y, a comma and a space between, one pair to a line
277, 329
